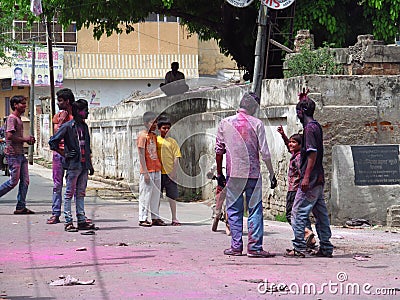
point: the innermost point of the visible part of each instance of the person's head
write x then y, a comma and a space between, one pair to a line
18, 103
250, 102
295, 143
175, 66
164, 125
80, 109
18, 73
59, 77
46, 78
305, 108
65, 98
150, 120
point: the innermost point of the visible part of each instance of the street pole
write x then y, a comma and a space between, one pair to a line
259, 55
32, 104
51, 70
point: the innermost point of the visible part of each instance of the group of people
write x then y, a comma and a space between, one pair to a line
159, 160
242, 138
71, 143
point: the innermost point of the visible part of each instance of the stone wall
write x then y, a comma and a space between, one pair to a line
353, 110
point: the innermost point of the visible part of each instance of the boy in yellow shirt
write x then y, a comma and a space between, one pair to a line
169, 154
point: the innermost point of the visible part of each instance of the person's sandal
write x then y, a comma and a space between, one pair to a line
69, 227
294, 253
145, 223
158, 222
260, 254
319, 253
23, 211
176, 223
86, 226
310, 241
53, 220
232, 252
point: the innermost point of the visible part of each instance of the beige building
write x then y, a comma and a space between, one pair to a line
116, 67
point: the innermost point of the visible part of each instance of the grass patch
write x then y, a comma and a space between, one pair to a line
41, 161
281, 217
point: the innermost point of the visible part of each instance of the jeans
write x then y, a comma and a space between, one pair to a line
58, 175
18, 166
252, 188
76, 185
304, 203
291, 195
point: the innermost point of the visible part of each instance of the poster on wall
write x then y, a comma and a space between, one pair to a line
22, 68
90, 95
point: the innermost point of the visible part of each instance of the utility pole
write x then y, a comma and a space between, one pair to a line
32, 104
51, 70
259, 55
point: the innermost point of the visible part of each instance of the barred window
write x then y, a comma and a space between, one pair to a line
161, 18
62, 38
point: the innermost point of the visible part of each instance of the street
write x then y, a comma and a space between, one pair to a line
187, 262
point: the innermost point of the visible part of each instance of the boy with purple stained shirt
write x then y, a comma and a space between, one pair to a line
242, 138
310, 195
16, 159
65, 98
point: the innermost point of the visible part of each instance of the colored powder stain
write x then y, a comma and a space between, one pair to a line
170, 295
159, 273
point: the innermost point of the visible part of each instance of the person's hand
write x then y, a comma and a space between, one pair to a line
210, 175
30, 140
305, 184
91, 171
280, 130
221, 180
146, 178
273, 181
70, 154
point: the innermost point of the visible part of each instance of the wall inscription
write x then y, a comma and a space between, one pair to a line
376, 165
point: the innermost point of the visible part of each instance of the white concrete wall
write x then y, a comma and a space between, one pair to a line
351, 109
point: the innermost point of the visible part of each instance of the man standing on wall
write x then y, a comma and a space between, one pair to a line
65, 98
242, 138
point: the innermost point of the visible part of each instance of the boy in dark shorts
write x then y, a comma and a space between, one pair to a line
169, 154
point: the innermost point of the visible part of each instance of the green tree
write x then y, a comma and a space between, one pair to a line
334, 21
307, 61
9, 11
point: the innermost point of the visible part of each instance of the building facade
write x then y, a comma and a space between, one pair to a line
114, 68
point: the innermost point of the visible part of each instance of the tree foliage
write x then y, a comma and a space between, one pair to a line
334, 21
9, 11
308, 61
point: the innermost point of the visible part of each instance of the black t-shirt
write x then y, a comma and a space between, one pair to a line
313, 142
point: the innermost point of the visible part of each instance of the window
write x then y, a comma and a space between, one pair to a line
63, 38
6, 84
7, 106
160, 18
151, 18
